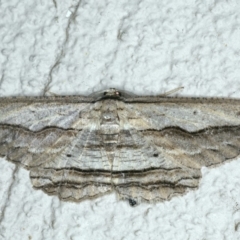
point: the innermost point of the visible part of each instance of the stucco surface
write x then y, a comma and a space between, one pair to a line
146, 47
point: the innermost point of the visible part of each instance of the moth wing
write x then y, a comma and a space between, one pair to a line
177, 139
194, 150
186, 113
81, 171
38, 113
54, 142
143, 172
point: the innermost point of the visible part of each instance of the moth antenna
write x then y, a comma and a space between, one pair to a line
172, 91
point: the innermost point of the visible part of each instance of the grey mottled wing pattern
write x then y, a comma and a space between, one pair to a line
38, 113
186, 113
145, 149
32, 149
144, 172
157, 165
194, 150
80, 171
55, 140
162, 154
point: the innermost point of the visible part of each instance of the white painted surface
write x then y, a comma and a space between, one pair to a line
147, 47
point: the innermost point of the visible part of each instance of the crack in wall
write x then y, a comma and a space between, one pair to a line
55, 3
62, 53
7, 199
2, 79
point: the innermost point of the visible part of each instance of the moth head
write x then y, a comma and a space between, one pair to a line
111, 93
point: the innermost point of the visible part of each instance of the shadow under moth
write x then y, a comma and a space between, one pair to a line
144, 148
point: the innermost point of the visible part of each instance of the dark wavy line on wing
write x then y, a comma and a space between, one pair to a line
204, 130
18, 127
102, 171
74, 185
145, 130
151, 184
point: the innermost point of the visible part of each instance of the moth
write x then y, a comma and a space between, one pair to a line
143, 148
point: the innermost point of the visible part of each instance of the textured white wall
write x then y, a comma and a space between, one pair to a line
147, 47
